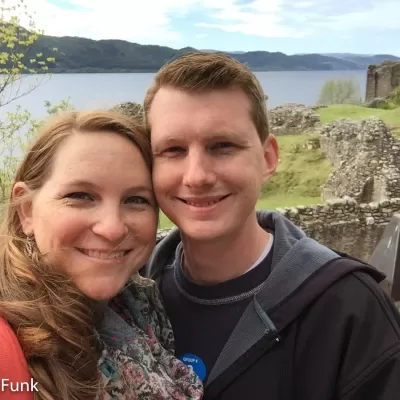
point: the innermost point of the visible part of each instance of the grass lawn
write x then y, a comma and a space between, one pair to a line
331, 113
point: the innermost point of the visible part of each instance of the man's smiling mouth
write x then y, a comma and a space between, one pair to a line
205, 201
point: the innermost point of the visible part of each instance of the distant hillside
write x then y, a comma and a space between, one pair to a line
77, 54
363, 60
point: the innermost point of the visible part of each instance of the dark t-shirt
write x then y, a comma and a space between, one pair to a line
204, 316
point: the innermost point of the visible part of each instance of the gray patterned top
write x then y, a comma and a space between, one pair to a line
138, 349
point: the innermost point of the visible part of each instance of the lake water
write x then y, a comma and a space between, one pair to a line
86, 91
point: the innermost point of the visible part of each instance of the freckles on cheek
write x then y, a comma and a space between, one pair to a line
144, 226
69, 231
150, 228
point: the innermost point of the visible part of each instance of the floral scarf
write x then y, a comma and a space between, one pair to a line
138, 349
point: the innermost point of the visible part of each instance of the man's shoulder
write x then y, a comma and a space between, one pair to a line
358, 291
354, 331
364, 323
358, 305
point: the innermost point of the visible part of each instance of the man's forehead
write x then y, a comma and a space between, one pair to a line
166, 95
172, 117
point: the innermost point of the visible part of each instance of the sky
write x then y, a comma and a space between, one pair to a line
288, 26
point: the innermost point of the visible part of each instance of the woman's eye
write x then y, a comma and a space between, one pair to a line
137, 200
79, 196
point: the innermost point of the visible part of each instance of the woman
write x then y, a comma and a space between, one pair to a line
81, 221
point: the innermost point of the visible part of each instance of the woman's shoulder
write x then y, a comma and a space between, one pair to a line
13, 365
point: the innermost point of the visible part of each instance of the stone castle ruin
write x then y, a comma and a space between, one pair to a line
382, 79
293, 119
131, 109
366, 160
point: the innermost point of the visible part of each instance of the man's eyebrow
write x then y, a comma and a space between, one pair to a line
170, 140
228, 135
215, 136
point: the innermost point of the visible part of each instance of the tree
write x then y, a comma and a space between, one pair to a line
16, 56
16, 144
17, 62
340, 91
394, 97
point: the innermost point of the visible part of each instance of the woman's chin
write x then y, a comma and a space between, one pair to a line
101, 292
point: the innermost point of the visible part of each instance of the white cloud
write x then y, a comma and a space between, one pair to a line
294, 18
337, 16
150, 21
303, 4
260, 18
117, 19
383, 14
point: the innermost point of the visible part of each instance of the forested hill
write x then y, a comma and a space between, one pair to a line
75, 54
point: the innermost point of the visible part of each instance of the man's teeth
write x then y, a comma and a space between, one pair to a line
103, 255
209, 203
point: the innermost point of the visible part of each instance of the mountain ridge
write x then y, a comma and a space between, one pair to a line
80, 55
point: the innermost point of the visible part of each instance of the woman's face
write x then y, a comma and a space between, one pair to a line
95, 216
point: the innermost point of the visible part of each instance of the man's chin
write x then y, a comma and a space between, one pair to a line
203, 231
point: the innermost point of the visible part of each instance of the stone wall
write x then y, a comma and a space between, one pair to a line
366, 160
293, 119
382, 79
344, 224
131, 109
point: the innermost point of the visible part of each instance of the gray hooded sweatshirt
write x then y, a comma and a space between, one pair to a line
294, 339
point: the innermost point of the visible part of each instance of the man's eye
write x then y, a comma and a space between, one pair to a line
79, 196
223, 145
174, 149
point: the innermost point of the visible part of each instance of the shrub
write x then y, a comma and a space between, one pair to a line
341, 91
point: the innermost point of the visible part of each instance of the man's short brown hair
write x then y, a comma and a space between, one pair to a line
202, 71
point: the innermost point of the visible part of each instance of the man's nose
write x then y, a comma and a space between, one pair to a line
199, 170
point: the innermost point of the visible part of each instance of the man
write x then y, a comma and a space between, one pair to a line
258, 309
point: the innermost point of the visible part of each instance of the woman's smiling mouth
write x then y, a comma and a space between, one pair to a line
104, 254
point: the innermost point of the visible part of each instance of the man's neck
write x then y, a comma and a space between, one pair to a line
226, 258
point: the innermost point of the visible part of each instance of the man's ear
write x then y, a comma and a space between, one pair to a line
21, 195
271, 157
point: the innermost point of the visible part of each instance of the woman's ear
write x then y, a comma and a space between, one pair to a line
22, 197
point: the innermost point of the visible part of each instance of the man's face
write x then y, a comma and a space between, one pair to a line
209, 163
